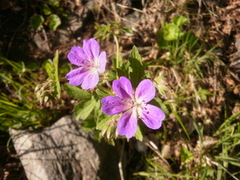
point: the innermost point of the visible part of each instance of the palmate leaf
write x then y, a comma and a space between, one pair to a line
36, 22
138, 67
179, 20
125, 70
83, 109
172, 32
46, 9
48, 66
101, 93
108, 125
89, 124
76, 92
104, 119
53, 3
55, 21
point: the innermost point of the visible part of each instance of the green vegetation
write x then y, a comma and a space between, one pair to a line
31, 98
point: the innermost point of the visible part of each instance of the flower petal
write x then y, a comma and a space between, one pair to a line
152, 116
90, 80
102, 62
145, 91
123, 88
127, 124
76, 76
76, 56
113, 105
91, 49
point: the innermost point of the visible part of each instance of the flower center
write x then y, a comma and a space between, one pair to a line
93, 67
136, 105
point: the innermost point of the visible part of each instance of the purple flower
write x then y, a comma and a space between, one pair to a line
133, 106
90, 63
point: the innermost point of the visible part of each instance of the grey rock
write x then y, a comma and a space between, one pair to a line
62, 152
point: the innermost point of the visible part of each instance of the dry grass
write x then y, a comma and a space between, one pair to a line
193, 117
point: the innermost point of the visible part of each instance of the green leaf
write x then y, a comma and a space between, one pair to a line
233, 161
46, 9
162, 43
138, 68
18, 67
225, 127
65, 68
172, 32
36, 22
139, 135
53, 3
203, 93
55, 21
159, 103
108, 125
111, 75
83, 109
186, 155
125, 29
179, 20
103, 121
89, 124
125, 69
51, 67
101, 93
76, 92
48, 67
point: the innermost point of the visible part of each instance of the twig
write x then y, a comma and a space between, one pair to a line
217, 164
153, 146
120, 162
135, 9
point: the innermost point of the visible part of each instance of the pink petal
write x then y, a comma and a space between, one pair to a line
145, 91
76, 76
113, 105
127, 124
123, 88
102, 62
152, 116
76, 56
90, 80
91, 49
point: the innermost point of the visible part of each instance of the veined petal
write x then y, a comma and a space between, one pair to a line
102, 62
127, 124
113, 105
145, 91
76, 76
76, 56
152, 116
123, 88
90, 80
91, 49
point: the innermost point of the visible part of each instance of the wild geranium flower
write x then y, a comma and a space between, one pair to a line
133, 105
90, 63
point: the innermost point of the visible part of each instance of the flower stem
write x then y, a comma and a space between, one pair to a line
118, 58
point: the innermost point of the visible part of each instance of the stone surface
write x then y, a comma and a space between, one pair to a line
62, 152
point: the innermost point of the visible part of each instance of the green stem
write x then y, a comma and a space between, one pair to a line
118, 63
